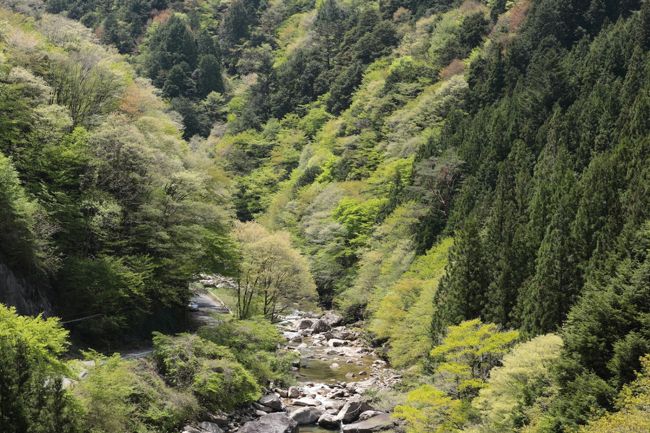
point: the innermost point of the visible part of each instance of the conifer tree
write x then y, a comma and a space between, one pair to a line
462, 292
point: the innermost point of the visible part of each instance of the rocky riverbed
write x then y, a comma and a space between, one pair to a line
335, 369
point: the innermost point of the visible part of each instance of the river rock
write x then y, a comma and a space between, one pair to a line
305, 324
369, 414
306, 415
306, 401
293, 392
210, 427
352, 408
329, 421
272, 423
343, 334
333, 404
335, 342
320, 326
272, 401
331, 318
373, 424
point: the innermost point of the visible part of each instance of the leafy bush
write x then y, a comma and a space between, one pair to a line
120, 396
224, 384
254, 344
179, 359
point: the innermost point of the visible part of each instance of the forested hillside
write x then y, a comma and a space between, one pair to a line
105, 207
469, 180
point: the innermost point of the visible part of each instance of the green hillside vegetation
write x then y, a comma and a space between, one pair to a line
468, 179
105, 200
189, 375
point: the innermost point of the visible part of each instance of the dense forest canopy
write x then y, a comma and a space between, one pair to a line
470, 179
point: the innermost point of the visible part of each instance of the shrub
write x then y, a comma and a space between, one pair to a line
254, 344
179, 358
244, 335
122, 397
224, 384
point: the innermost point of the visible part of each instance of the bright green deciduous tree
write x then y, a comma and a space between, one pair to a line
462, 364
31, 395
467, 354
523, 379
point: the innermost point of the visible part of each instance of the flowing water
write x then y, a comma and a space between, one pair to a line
324, 370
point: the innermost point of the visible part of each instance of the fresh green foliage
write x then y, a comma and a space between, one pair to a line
466, 355
126, 396
428, 409
102, 201
179, 359
272, 275
31, 397
462, 365
254, 344
224, 384
520, 387
404, 312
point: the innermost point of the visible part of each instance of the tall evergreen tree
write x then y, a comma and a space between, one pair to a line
209, 76
546, 298
171, 44
462, 292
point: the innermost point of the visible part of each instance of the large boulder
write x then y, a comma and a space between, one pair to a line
335, 342
272, 423
320, 326
306, 415
343, 334
331, 318
272, 401
373, 424
306, 401
329, 421
352, 408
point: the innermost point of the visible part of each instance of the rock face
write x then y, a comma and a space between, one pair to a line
272, 423
373, 424
272, 401
23, 294
306, 415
